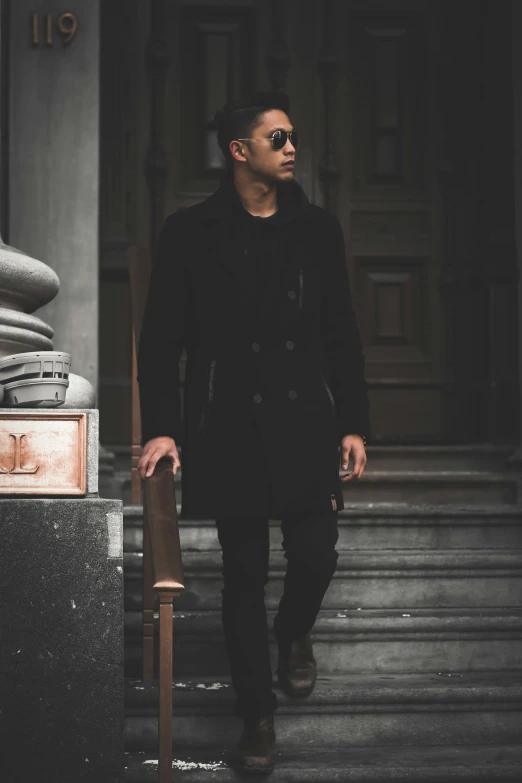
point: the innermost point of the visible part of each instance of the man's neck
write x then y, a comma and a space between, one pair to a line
258, 198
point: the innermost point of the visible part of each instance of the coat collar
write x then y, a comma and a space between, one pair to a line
225, 202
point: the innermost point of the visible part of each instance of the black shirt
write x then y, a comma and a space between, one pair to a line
260, 239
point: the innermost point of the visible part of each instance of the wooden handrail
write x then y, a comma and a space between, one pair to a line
162, 565
159, 496
160, 519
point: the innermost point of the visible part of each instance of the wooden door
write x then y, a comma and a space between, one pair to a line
372, 95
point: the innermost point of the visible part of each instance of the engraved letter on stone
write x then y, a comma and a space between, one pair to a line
18, 455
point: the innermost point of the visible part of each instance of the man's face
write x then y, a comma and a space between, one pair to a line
264, 162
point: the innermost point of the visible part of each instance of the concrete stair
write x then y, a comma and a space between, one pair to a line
475, 457
372, 641
416, 764
345, 711
418, 641
422, 486
368, 578
376, 526
389, 464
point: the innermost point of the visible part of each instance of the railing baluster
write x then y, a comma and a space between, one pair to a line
166, 618
161, 521
148, 604
162, 566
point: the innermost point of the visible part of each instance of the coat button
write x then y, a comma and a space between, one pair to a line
258, 398
291, 294
290, 345
256, 346
292, 394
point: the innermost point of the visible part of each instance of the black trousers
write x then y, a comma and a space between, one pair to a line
309, 546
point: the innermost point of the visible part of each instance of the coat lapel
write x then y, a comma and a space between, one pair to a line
227, 251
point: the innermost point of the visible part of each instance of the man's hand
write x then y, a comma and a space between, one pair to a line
353, 444
155, 449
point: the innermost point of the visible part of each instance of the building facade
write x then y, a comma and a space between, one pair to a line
409, 115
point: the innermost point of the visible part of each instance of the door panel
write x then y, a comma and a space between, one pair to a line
386, 208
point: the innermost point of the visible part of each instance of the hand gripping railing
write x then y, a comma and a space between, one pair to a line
160, 519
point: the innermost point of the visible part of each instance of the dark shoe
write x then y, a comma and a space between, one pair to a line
297, 667
253, 754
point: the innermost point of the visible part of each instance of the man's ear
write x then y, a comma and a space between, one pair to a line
236, 150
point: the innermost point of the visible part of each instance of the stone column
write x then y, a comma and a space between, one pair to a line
516, 30
54, 141
54, 161
25, 285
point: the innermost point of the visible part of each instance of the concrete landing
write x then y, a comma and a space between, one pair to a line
416, 764
344, 711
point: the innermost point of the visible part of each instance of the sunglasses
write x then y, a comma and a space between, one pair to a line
278, 139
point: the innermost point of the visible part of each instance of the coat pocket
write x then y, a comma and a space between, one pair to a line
330, 395
206, 410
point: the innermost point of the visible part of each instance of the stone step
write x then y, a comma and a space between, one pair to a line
374, 526
479, 456
342, 712
382, 579
369, 560
467, 456
422, 486
394, 460
405, 641
418, 764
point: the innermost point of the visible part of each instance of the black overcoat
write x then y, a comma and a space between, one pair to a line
274, 372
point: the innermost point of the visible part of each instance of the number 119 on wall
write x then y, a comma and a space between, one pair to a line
67, 25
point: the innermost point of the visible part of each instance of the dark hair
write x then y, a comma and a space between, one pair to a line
239, 118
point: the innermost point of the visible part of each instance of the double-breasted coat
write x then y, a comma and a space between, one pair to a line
275, 367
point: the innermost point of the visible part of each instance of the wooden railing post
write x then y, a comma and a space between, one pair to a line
161, 520
162, 566
147, 600
135, 424
166, 619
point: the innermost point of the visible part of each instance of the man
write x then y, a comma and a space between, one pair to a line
253, 283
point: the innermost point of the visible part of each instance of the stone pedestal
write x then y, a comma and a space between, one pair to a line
61, 598
61, 646
33, 450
